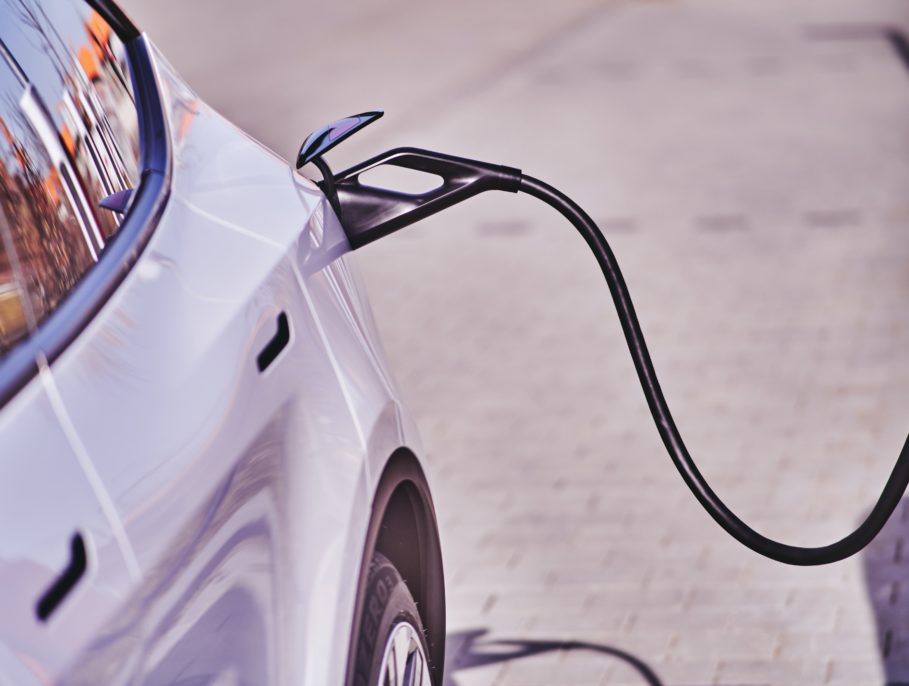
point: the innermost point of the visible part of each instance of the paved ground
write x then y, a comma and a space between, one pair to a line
750, 162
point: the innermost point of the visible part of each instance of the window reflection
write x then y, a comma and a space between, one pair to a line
13, 322
47, 246
68, 138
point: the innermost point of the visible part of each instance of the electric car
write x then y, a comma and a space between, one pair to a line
207, 474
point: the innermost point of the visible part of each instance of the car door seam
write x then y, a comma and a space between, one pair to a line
89, 471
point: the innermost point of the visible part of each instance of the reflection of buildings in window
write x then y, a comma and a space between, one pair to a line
13, 323
45, 237
87, 135
114, 90
64, 145
42, 124
93, 111
109, 100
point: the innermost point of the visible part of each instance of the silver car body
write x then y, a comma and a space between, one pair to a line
225, 510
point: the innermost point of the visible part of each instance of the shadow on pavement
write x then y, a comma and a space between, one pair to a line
886, 566
468, 649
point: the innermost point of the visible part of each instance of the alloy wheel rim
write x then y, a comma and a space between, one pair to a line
404, 661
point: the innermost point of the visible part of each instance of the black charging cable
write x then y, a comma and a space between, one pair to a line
662, 417
368, 213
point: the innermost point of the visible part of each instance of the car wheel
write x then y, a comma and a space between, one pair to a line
391, 643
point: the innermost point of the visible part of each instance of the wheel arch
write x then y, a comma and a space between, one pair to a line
403, 512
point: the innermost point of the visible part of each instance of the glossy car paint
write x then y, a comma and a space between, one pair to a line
225, 508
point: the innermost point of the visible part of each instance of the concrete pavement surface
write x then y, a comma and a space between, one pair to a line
749, 161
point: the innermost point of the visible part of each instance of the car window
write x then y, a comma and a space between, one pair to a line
47, 245
13, 323
68, 138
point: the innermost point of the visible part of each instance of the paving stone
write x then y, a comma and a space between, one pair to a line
699, 672
775, 672
858, 671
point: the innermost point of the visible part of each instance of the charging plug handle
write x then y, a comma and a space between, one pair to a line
368, 213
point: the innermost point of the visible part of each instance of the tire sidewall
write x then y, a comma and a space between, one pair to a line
387, 604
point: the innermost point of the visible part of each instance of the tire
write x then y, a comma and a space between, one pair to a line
391, 642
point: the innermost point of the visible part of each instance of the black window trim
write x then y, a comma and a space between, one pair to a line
83, 302
116, 18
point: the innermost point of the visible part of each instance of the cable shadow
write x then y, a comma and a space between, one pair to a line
885, 563
469, 649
